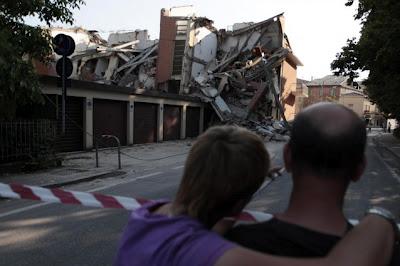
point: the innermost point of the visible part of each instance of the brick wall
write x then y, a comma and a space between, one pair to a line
325, 93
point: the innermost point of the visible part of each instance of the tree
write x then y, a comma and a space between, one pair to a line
377, 51
19, 43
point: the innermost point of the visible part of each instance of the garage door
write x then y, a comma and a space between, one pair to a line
192, 121
145, 123
109, 118
72, 140
172, 122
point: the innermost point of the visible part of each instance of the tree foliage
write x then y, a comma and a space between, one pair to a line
19, 43
377, 51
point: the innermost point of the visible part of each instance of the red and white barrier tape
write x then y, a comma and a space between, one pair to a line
56, 195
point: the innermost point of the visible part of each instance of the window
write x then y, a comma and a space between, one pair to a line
321, 92
350, 105
333, 91
178, 57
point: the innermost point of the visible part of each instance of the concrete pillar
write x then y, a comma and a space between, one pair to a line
183, 122
88, 123
160, 122
201, 120
130, 122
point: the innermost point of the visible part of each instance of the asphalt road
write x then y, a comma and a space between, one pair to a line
33, 233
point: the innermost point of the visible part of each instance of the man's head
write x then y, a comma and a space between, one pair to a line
225, 166
328, 141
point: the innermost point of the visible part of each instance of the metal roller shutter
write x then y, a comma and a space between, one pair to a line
172, 122
72, 140
109, 118
192, 121
145, 123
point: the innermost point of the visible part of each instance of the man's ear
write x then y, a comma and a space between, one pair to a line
287, 157
359, 170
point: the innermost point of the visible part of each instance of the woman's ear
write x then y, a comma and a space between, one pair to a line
287, 157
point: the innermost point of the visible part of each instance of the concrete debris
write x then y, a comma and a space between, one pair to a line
244, 65
238, 71
268, 128
125, 59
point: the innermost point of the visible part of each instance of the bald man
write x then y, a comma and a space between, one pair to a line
325, 153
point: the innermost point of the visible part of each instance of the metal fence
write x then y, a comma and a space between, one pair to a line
21, 140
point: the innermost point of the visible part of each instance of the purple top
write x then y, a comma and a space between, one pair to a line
154, 239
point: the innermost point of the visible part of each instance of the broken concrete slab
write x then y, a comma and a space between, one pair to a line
264, 131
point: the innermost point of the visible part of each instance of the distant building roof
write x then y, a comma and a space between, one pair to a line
303, 81
328, 80
353, 93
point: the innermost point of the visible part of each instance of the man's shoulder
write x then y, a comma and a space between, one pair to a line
276, 226
282, 238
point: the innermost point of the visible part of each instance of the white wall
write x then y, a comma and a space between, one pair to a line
205, 48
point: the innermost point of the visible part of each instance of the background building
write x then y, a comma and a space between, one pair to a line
336, 89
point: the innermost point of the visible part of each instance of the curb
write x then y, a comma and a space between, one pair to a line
84, 179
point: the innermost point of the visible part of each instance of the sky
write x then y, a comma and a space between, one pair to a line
317, 29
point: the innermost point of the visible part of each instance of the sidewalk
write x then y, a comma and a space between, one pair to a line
81, 166
390, 143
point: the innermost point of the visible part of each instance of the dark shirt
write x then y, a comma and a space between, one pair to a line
284, 239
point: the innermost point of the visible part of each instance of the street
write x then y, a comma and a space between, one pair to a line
35, 233
101, 105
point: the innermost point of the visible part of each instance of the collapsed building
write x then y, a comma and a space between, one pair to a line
125, 59
246, 73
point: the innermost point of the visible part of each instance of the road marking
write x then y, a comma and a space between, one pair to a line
24, 209
178, 167
390, 169
31, 207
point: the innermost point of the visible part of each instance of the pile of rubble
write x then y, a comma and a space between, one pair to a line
269, 129
241, 82
242, 94
125, 59
234, 71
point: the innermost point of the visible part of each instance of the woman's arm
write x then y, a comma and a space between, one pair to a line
368, 244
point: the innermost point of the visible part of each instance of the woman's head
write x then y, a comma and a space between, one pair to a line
225, 166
